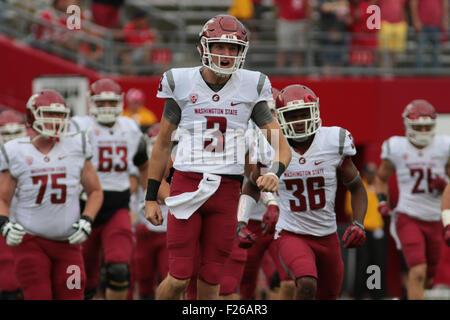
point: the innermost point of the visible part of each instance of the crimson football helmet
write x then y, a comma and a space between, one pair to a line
135, 96
105, 91
151, 136
420, 114
48, 114
12, 126
295, 99
224, 29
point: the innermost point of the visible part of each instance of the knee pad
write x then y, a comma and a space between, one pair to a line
117, 276
307, 287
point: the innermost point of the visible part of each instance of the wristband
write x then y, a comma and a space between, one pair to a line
381, 197
359, 225
352, 181
446, 217
3, 220
87, 218
152, 190
277, 168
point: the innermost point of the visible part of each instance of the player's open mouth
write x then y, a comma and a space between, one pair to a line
225, 63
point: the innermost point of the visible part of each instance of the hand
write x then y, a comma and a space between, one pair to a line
83, 229
153, 213
13, 233
245, 236
267, 182
354, 236
438, 183
384, 209
447, 235
270, 219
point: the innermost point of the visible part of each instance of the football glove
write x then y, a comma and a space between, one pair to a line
354, 236
246, 238
83, 230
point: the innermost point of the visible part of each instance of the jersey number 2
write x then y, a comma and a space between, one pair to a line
219, 136
42, 180
316, 197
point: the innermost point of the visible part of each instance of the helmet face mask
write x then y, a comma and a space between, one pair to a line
48, 114
420, 122
223, 29
106, 101
298, 114
208, 56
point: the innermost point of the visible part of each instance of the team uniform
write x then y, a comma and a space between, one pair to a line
114, 150
12, 126
208, 166
150, 255
416, 224
306, 230
47, 191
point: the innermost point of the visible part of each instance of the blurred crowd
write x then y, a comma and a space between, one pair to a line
359, 33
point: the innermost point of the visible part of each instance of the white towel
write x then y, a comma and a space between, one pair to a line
393, 229
184, 205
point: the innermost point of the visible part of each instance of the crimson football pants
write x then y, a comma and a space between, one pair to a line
8, 281
421, 241
114, 239
212, 226
150, 260
318, 257
48, 269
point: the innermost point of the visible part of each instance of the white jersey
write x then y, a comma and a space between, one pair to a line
212, 128
260, 151
113, 149
48, 185
415, 168
307, 189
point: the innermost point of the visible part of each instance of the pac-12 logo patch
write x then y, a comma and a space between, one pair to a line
215, 98
194, 97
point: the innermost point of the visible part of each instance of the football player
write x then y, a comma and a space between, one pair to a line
45, 228
421, 162
150, 252
117, 142
12, 125
446, 214
308, 243
210, 105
